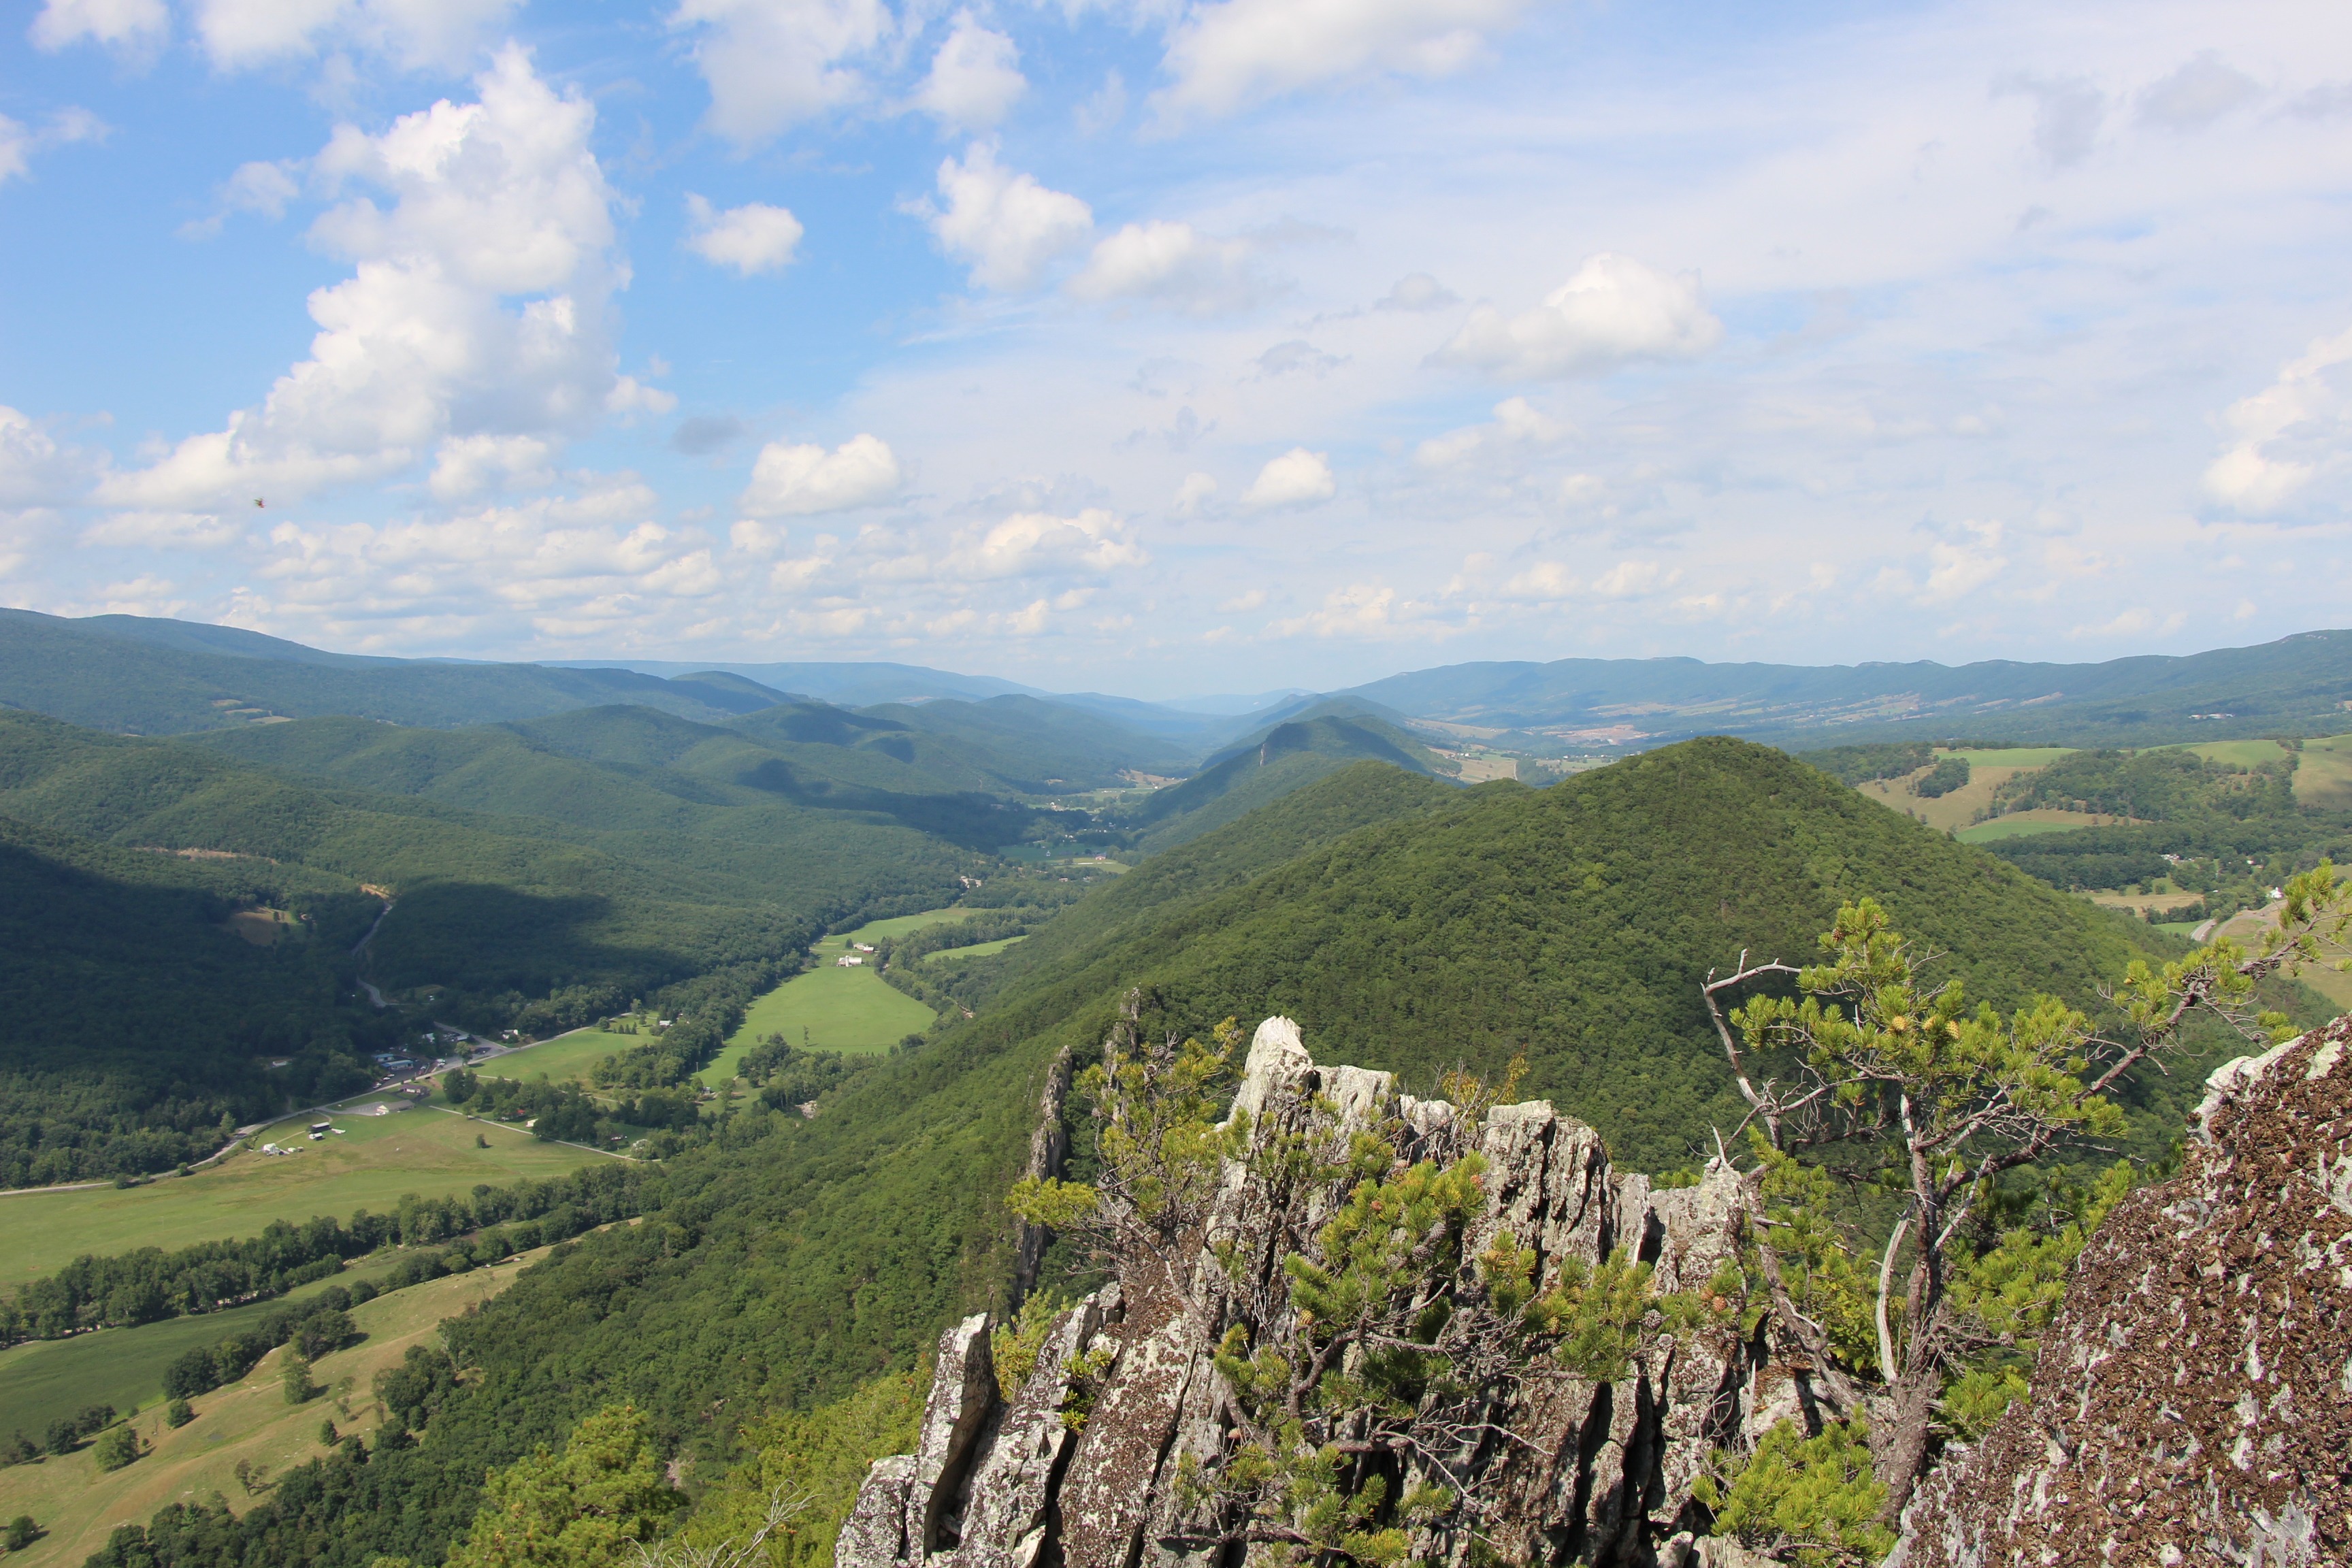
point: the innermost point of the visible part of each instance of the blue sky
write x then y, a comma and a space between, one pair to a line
1179, 345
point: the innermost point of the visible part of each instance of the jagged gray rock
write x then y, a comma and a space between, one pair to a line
1603, 1474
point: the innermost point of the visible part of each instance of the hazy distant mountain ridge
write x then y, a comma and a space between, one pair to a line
2298, 681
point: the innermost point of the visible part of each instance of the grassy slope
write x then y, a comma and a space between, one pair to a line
44, 1379
375, 1161
78, 1505
840, 1009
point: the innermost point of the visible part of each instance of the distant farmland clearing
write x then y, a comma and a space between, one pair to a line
369, 1166
834, 1009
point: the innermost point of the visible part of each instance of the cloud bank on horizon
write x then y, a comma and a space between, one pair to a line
1162, 345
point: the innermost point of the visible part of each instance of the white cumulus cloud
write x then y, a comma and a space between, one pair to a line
1094, 542
1298, 477
131, 25
469, 465
19, 141
754, 237
34, 469
1517, 422
491, 200
802, 480
243, 32
1228, 55
2288, 434
1616, 310
772, 64
1003, 225
1174, 265
975, 78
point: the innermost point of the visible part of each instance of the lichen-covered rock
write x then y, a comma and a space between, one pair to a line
1592, 1473
2192, 1402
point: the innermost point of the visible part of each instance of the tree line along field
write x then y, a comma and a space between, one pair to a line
41, 1380
370, 1165
250, 1420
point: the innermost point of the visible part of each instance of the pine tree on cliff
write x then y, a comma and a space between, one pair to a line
1894, 1085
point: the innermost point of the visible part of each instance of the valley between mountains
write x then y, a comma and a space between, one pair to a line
473, 1114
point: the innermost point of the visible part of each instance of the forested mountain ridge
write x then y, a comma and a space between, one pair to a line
136, 1024
1572, 923
2288, 686
786, 1260
175, 678
1269, 764
141, 1028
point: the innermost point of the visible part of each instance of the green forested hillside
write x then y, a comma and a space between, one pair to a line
136, 1028
1039, 747
786, 1261
590, 889
1573, 924
1265, 766
1405, 922
130, 676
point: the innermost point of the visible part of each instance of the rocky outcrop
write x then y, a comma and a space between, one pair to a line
1078, 1469
2192, 1402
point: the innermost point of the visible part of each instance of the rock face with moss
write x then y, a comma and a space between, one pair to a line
1095, 1458
2192, 1402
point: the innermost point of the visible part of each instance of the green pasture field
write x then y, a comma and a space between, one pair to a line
977, 950
375, 1160
2243, 754
896, 925
2020, 825
570, 1055
44, 1379
840, 1009
2015, 756
2177, 928
79, 1504
2323, 777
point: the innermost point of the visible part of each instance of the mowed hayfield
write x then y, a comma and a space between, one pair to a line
830, 1008
2324, 776
977, 950
370, 1165
2024, 824
79, 1504
571, 1056
1988, 771
44, 1379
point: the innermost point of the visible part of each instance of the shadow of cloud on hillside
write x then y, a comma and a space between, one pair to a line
968, 819
487, 937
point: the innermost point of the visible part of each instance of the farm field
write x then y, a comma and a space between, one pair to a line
565, 1057
977, 950
45, 1379
2139, 903
2019, 824
2013, 757
78, 1504
2324, 776
840, 1009
370, 1166
2243, 754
